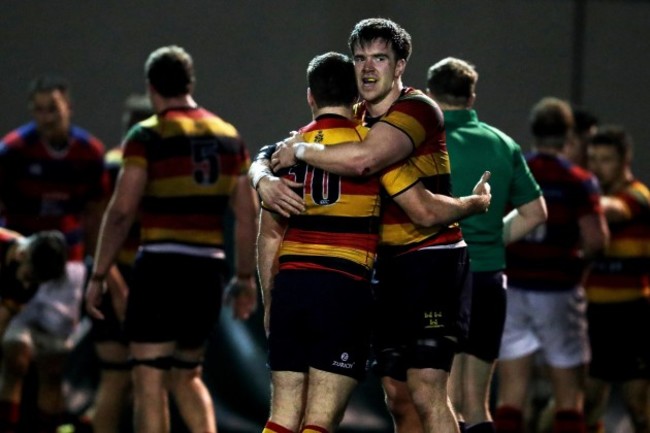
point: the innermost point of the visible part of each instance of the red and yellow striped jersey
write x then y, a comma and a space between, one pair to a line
623, 272
339, 231
193, 159
421, 119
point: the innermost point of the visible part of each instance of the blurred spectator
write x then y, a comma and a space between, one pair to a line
618, 287
546, 307
52, 177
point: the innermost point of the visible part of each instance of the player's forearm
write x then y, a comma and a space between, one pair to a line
594, 233
114, 230
268, 245
259, 169
246, 209
452, 209
521, 221
261, 165
245, 241
92, 221
346, 159
426, 209
615, 209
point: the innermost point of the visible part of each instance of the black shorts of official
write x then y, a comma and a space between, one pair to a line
110, 329
618, 334
320, 319
423, 302
175, 297
488, 316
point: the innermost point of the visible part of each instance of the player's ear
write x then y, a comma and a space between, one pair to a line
400, 66
310, 99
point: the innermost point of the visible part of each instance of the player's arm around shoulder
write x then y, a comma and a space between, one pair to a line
275, 192
426, 209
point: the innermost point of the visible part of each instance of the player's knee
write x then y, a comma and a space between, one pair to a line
437, 353
401, 407
390, 362
184, 372
158, 363
115, 366
187, 365
398, 398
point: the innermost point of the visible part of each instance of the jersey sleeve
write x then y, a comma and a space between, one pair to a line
134, 149
399, 177
416, 116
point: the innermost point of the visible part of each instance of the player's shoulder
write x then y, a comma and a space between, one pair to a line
19, 136
410, 94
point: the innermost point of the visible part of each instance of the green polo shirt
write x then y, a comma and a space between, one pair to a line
473, 148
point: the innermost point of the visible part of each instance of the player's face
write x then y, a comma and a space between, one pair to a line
51, 111
376, 70
605, 162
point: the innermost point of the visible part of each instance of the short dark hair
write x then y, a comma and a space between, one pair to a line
551, 121
584, 119
47, 83
615, 136
170, 71
366, 31
48, 255
331, 80
452, 81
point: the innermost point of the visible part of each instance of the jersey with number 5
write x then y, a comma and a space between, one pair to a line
193, 159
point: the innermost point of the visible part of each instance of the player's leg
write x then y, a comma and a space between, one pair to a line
327, 397
151, 365
400, 405
196, 312
113, 396
288, 395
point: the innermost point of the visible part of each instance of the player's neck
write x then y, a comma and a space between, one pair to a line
341, 111
163, 104
380, 107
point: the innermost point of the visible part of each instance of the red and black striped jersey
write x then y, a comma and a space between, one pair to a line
339, 230
193, 160
549, 258
419, 117
623, 272
44, 189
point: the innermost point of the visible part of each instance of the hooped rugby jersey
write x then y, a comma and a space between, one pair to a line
45, 189
549, 258
419, 117
193, 160
622, 273
339, 230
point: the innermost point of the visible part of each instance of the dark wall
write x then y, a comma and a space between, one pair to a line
251, 55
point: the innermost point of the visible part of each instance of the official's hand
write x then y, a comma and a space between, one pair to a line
241, 294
